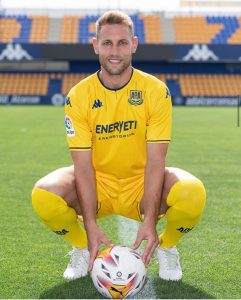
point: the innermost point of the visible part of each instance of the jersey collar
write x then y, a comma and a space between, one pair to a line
98, 76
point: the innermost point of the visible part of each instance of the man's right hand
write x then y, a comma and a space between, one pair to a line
96, 237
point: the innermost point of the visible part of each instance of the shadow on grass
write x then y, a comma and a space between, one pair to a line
153, 289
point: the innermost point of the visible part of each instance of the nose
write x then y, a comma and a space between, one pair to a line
114, 50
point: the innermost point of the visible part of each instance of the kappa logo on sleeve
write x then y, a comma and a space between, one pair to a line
69, 126
68, 102
168, 94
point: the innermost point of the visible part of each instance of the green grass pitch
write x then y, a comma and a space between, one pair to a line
205, 141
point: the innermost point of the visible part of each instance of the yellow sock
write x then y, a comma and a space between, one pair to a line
186, 200
59, 217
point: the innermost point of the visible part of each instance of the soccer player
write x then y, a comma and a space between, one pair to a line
118, 124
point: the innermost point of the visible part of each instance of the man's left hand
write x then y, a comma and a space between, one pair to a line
147, 232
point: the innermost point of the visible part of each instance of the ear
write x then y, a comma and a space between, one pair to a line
95, 45
135, 44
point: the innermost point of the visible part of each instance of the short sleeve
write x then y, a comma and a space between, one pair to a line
78, 131
160, 116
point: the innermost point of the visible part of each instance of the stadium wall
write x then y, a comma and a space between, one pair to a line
146, 52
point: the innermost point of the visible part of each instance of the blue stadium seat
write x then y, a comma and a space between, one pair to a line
230, 24
26, 24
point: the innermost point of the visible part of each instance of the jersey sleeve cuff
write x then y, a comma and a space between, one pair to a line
79, 148
158, 141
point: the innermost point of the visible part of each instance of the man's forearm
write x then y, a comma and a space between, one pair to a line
153, 183
86, 190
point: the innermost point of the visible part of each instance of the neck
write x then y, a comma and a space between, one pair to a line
115, 81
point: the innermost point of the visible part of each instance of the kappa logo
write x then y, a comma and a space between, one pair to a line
184, 230
97, 104
15, 52
200, 53
135, 97
61, 232
67, 101
168, 94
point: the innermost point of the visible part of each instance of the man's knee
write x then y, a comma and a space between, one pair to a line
58, 185
189, 196
47, 184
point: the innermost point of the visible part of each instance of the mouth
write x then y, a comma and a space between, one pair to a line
114, 61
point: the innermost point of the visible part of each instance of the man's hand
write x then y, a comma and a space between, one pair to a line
147, 231
96, 237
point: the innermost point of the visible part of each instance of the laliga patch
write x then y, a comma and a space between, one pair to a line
69, 126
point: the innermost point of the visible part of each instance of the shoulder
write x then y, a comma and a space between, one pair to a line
150, 81
78, 95
83, 86
153, 86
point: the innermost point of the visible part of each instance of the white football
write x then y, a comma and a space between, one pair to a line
118, 272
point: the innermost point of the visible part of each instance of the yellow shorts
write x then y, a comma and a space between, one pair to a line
119, 196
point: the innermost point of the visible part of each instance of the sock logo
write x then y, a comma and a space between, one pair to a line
61, 232
184, 230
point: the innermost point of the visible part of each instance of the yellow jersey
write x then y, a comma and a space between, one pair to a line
116, 124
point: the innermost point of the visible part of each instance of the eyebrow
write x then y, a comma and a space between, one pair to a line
108, 40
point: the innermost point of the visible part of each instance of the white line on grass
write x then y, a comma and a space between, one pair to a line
127, 230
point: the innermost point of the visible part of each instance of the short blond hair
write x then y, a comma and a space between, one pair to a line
114, 17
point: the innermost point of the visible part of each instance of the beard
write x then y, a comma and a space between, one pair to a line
114, 70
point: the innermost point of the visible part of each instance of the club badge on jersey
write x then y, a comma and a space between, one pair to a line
135, 97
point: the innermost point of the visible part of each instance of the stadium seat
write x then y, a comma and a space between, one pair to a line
86, 28
9, 29
69, 30
229, 27
39, 29
24, 84
221, 85
152, 29
236, 37
189, 85
149, 28
26, 23
194, 30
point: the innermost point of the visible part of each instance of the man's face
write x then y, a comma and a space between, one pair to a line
115, 45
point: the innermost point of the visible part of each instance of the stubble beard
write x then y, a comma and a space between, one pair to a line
114, 71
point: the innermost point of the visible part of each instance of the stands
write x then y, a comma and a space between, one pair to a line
149, 28
220, 79
206, 85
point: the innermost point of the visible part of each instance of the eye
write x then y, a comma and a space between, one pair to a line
124, 42
106, 43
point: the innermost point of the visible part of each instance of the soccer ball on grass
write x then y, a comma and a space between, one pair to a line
118, 272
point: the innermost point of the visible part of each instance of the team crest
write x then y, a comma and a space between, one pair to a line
135, 97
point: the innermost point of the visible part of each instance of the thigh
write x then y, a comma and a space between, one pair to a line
62, 183
172, 175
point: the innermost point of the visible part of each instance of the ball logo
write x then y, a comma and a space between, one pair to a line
69, 126
118, 274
